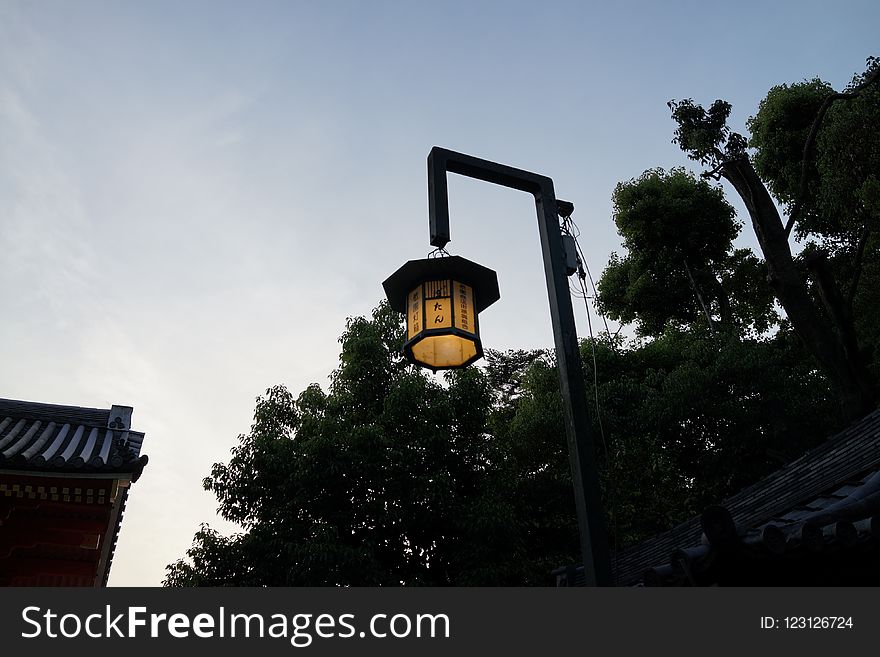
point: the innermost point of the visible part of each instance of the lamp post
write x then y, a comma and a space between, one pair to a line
594, 543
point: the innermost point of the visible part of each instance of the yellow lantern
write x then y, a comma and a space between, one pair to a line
442, 298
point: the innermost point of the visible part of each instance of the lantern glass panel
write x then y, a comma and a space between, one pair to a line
414, 313
438, 305
442, 351
463, 299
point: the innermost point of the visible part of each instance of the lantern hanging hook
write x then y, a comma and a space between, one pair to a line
439, 252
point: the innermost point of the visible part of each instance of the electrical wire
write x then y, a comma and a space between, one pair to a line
582, 259
583, 272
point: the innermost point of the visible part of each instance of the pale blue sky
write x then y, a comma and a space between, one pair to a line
194, 195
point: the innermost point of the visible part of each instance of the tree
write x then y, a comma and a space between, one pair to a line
681, 267
716, 391
391, 478
819, 152
828, 187
388, 478
690, 418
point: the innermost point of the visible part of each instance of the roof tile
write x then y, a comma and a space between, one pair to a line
793, 492
50, 437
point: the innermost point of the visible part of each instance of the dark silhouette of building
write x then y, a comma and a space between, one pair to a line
814, 522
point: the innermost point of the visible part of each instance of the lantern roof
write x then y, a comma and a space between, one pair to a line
482, 279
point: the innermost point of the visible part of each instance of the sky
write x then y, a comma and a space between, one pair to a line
194, 196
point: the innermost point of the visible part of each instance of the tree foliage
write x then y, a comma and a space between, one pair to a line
778, 133
839, 191
388, 478
681, 267
394, 478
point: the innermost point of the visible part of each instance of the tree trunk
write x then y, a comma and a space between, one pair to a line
838, 310
856, 398
699, 294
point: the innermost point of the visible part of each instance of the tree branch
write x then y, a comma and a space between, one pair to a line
715, 172
696, 289
810, 143
857, 265
829, 294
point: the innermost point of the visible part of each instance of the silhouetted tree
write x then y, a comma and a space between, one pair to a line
818, 152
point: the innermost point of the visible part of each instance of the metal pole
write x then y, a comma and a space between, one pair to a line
594, 542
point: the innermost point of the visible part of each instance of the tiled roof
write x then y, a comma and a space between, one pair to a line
37, 437
822, 493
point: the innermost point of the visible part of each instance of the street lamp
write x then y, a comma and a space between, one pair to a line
594, 544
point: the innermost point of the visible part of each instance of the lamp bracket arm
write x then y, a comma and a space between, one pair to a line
442, 160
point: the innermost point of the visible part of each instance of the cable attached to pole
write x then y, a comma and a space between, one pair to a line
570, 229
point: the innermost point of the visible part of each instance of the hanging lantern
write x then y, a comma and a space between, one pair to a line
441, 298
